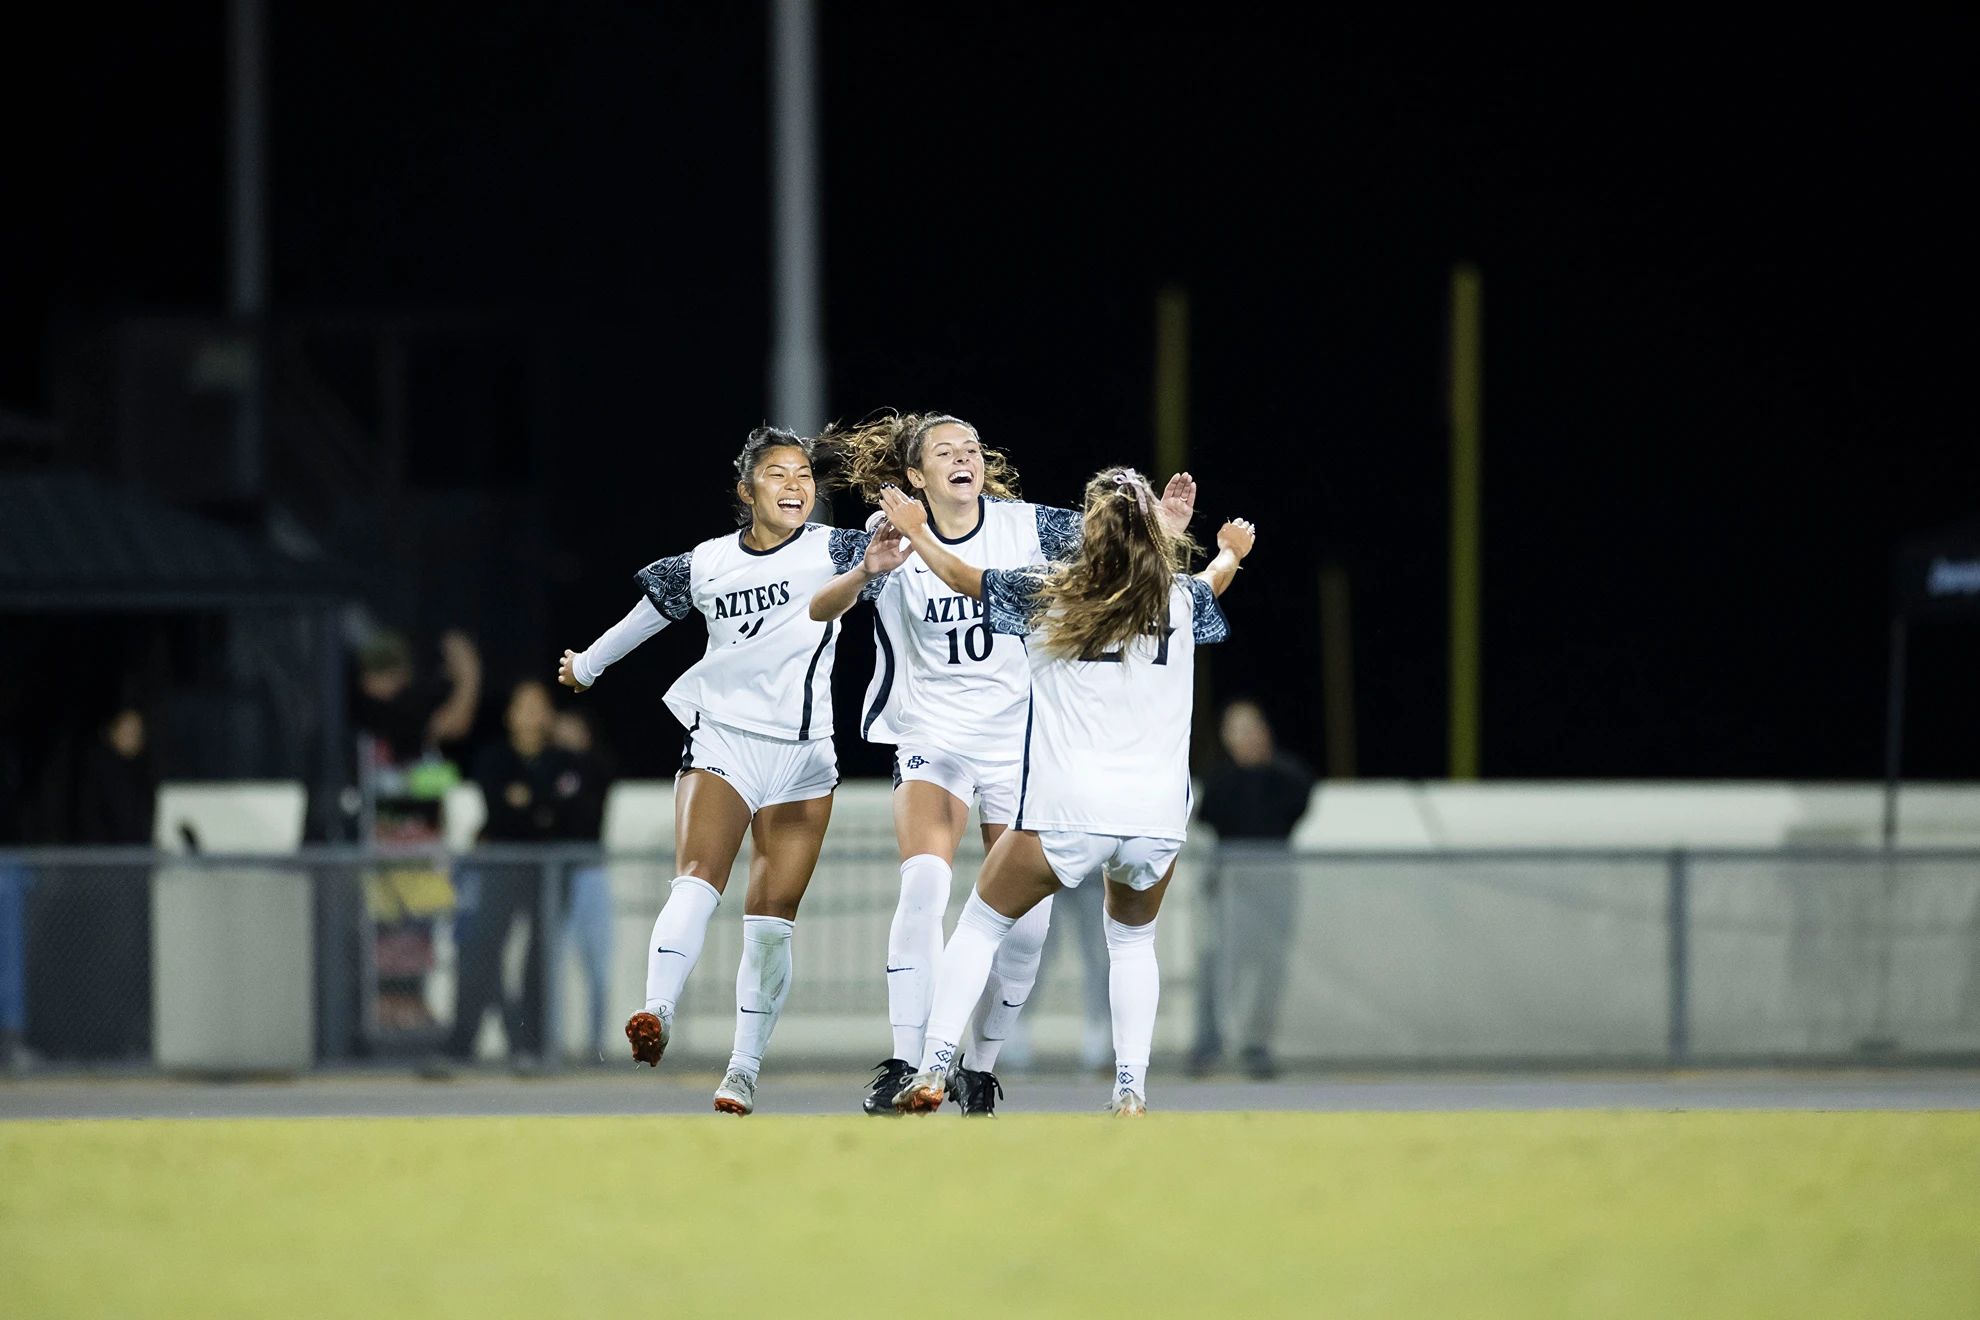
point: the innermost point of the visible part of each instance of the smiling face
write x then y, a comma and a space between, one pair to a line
951, 467
781, 492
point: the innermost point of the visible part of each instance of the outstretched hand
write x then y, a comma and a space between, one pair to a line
1178, 503
567, 675
887, 551
1237, 537
906, 513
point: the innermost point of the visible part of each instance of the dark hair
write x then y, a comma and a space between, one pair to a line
878, 452
761, 441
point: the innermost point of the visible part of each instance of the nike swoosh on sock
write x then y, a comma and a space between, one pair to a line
900, 969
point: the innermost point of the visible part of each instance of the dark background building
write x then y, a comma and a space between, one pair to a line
518, 321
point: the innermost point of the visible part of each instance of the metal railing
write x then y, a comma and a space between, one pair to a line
152, 959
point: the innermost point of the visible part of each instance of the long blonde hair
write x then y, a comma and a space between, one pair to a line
1117, 589
878, 452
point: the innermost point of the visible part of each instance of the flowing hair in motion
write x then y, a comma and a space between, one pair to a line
1117, 590
880, 450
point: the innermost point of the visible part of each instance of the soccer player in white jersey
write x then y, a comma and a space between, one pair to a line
758, 753
1104, 793
951, 700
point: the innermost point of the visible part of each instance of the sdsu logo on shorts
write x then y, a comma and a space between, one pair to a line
916, 762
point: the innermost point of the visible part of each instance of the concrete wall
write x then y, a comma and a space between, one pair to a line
1416, 957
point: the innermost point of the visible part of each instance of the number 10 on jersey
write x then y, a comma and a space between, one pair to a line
968, 645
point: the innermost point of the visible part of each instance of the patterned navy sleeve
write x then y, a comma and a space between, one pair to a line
1010, 599
666, 584
848, 548
1210, 625
1059, 532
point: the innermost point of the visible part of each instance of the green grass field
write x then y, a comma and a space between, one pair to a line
1578, 1213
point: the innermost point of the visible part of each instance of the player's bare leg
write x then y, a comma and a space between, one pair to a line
710, 818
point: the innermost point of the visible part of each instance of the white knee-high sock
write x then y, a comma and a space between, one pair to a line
965, 967
763, 982
914, 949
1134, 983
1012, 974
678, 933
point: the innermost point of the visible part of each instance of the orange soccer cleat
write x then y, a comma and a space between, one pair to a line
648, 1033
923, 1092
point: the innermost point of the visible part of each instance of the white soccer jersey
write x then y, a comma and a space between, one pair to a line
1106, 747
768, 666
941, 678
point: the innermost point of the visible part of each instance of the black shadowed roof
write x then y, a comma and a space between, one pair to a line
71, 541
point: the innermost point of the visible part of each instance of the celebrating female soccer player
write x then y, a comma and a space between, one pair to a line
953, 703
1110, 639
758, 757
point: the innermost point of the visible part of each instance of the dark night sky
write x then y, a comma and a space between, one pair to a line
1728, 311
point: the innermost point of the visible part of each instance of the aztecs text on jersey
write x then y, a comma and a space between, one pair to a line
768, 666
941, 677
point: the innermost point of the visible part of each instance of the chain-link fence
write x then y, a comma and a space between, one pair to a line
231, 964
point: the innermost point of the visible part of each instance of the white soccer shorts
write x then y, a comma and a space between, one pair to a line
994, 784
764, 771
1134, 862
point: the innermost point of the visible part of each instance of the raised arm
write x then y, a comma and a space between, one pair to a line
910, 519
1234, 541
1178, 504
883, 555
462, 661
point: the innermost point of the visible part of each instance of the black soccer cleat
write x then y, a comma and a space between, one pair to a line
976, 1093
890, 1075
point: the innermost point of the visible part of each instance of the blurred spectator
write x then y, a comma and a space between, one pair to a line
588, 911
85, 989
1251, 897
409, 716
13, 963
13, 882
118, 793
530, 787
13, 771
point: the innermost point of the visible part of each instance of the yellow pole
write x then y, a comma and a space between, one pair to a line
1467, 373
1171, 418
1337, 671
1171, 383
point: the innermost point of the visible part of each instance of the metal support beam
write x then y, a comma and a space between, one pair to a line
1467, 391
1337, 671
1678, 921
1894, 730
247, 220
550, 930
797, 353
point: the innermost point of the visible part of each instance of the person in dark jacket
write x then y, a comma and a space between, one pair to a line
408, 716
588, 902
531, 787
117, 795
1254, 802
